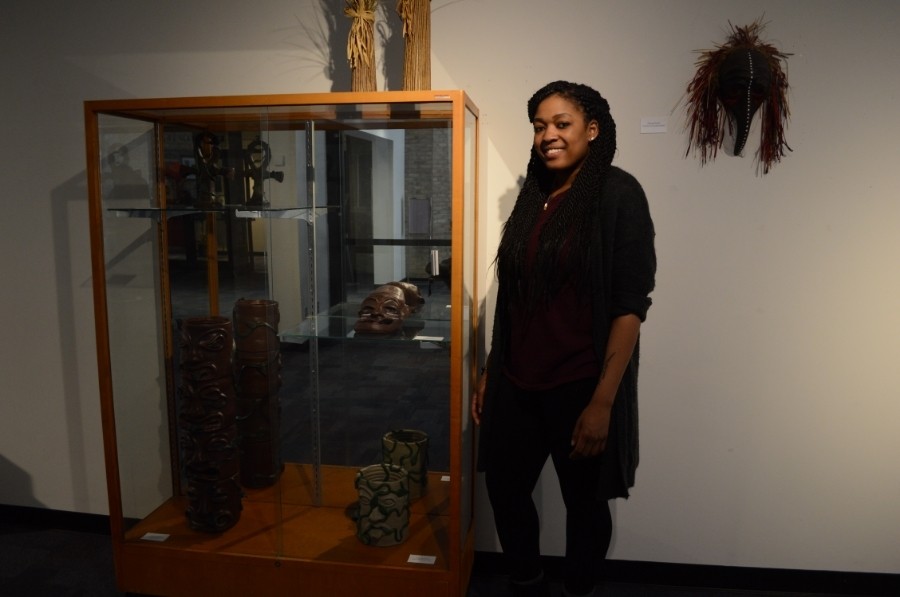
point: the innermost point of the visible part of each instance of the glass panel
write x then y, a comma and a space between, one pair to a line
385, 212
469, 306
127, 162
247, 226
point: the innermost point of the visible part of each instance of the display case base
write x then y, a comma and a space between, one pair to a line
284, 544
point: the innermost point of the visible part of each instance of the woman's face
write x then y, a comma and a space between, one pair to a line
562, 135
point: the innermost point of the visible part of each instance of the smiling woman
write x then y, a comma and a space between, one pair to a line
562, 134
576, 264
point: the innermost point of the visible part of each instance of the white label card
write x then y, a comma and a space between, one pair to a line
655, 125
158, 537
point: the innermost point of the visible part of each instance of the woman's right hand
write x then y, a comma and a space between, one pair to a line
478, 397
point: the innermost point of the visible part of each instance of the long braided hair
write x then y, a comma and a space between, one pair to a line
570, 223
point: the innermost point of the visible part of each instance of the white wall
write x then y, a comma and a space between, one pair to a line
769, 385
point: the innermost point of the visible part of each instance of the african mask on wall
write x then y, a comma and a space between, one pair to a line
734, 82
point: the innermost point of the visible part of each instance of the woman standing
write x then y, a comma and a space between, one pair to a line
575, 266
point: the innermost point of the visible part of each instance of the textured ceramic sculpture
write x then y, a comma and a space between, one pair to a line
383, 505
408, 449
208, 431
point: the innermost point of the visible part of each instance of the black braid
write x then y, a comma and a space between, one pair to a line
571, 221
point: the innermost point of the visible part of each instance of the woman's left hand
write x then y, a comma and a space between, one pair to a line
592, 427
591, 431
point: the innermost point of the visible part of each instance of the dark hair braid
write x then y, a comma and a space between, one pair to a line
571, 222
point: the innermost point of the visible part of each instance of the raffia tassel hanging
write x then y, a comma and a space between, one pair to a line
416, 17
361, 44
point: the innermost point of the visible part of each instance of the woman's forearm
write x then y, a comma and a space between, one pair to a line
623, 336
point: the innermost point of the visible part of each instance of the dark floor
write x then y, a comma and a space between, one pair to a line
43, 561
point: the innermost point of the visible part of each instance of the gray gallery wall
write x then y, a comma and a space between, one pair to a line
769, 388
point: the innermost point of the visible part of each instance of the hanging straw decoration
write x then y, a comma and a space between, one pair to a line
361, 44
416, 17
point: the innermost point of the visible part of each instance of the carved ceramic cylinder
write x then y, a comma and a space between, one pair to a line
408, 449
207, 422
383, 518
258, 378
256, 326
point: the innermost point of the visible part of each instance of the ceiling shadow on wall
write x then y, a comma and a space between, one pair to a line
66, 199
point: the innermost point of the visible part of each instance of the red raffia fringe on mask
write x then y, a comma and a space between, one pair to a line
706, 118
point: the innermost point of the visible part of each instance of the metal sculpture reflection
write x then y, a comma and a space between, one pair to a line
209, 168
257, 157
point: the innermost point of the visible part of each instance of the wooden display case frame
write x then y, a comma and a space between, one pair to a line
286, 543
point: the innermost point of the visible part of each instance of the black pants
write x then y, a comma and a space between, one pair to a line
526, 428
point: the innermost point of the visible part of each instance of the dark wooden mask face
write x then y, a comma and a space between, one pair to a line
745, 79
383, 311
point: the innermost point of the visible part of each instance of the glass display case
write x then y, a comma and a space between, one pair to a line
284, 300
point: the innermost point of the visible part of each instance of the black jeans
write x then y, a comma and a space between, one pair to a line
526, 428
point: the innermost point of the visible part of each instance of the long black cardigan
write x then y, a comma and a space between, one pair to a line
621, 281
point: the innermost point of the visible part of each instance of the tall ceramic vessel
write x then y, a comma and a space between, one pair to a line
408, 449
258, 376
208, 430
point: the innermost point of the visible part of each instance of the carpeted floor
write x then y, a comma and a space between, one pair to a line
42, 562
38, 560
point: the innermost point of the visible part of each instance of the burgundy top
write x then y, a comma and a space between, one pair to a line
553, 344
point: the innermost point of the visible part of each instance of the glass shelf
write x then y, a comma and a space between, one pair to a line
430, 324
239, 211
